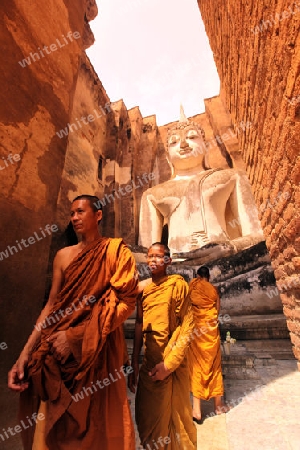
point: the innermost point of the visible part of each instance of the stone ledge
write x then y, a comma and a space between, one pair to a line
267, 326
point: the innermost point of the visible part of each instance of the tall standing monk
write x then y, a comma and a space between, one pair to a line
164, 319
205, 349
71, 369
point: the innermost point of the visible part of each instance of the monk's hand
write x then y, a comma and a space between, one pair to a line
159, 372
133, 377
16, 376
59, 346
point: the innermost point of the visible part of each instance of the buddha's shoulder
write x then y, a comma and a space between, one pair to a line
224, 175
178, 186
161, 188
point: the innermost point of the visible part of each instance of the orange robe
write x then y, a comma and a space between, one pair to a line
205, 350
86, 398
163, 408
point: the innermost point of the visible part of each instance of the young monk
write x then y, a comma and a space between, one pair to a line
71, 369
205, 349
164, 320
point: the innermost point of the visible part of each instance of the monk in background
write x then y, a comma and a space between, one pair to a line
205, 349
71, 370
165, 321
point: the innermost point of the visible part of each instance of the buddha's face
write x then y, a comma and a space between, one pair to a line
186, 148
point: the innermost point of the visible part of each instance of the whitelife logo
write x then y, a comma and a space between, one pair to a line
90, 390
54, 317
11, 250
126, 189
83, 120
33, 57
24, 424
9, 160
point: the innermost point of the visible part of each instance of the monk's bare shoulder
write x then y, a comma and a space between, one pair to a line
66, 255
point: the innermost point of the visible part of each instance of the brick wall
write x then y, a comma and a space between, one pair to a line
256, 50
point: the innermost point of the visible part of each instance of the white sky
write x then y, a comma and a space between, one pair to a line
154, 54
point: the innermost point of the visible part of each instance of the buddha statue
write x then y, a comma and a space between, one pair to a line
199, 205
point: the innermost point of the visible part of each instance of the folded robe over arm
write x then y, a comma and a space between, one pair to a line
99, 415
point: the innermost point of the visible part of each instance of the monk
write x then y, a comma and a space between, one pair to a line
71, 371
164, 319
205, 350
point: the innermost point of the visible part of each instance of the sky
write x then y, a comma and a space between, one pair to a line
154, 54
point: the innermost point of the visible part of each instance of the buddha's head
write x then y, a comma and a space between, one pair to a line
186, 147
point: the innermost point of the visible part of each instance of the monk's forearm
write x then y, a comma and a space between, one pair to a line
31, 343
175, 357
138, 342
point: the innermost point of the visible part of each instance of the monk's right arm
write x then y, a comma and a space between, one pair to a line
16, 376
137, 344
181, 338
218, 302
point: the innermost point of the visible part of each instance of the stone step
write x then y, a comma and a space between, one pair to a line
276, 348
271, 326
247, 358
265, 326
239, 372
261, 349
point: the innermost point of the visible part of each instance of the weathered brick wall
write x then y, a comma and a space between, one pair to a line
87, 137
35, 102
256, 50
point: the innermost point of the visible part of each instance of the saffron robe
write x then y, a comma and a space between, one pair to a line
87, 405
205, 348
163, 408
